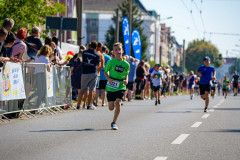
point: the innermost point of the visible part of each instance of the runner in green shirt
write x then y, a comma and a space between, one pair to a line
225, 86
116, 72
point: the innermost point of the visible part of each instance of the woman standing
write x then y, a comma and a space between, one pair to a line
140, 80
147, 85
76, 71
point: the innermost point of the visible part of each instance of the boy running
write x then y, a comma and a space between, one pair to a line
225, 84
191, 79
157, 76
206, 73
213, 88
116, 72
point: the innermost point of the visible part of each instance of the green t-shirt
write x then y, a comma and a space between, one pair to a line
225, 84
118, 70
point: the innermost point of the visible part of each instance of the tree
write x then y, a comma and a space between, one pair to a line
197, 50
235, 66
28, 13
136, 23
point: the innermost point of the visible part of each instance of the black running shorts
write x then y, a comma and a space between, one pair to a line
112, 96
204, 88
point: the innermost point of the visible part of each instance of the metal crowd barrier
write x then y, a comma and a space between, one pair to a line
45, 91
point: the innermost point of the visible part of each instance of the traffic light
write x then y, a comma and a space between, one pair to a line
220, 56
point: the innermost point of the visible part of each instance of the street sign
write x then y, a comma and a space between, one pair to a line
60, 23
53, 22
67, 23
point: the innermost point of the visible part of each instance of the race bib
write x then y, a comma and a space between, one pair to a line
115, 84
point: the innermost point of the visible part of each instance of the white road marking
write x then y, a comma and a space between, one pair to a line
196, 124
180, 139
161, 158
211, 110
205, 115
215, 106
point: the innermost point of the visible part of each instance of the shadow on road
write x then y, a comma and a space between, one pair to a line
228, 130
175, 112
230, 109
72, 130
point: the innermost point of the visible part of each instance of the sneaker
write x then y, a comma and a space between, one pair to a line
114, 126
91, 107
155, 103
159, 101
78, 107
205, 110
84, 106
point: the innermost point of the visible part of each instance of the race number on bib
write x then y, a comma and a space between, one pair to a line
115, 84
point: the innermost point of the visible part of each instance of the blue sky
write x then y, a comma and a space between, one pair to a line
221, 16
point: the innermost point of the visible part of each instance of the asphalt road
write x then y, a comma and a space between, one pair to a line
175, 130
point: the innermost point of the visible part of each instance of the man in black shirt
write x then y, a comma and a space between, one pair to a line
33, 43
90, 62
235, 80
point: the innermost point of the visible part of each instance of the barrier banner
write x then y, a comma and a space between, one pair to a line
136, 44
50, 83
126, 34
11, 82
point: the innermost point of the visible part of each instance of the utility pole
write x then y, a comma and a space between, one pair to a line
160, 57
130, 26
117, 26
79, 15
183, 65
155, 47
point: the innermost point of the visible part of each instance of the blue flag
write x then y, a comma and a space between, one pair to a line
136, 44
126, 34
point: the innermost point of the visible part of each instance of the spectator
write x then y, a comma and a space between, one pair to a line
131, 77
76, 72
3, 36
8, 24
33, 42
102, 78
90, 64
181, 79
8, 43
176, 82
19, 46
75, 90
58, 49
42, 57
147, 84
48, 40
140, 80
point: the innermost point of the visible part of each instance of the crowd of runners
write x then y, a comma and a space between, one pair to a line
99, 75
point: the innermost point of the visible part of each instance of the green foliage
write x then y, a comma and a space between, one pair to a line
151, 63
197, 50
28, 13
136, 23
